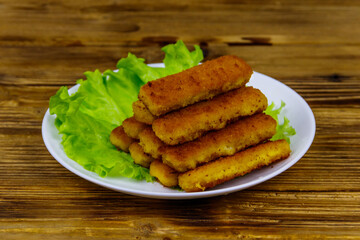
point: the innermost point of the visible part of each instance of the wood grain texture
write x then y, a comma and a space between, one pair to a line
311, 46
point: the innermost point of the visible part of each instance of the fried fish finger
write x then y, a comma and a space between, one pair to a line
227, 168
195, 84
227, 141
140, 157
191, 122
132, 127
120, 139
165, 174
141, 113
150, 143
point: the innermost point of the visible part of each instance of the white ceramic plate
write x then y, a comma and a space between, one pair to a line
297, 110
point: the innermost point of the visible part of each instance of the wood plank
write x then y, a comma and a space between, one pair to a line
76, 23
286, 61
249, 216
304, 68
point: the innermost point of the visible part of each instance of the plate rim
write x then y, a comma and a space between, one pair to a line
182, 195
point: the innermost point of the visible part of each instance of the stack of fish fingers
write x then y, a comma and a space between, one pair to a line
201, 127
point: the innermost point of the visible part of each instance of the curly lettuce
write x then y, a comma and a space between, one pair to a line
283, 130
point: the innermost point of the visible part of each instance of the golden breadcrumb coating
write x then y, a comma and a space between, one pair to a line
132, 127
224, 142
141, 113
150, 143
140, 157
191, 122
165, 174
120, 139
195, 84
239, 164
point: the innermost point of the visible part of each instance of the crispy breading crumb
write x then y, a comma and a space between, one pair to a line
224, 142
150, 143
140, 157
165, 174
195, 84
193, 121
239, 164
120, 139
141, 113
132, 127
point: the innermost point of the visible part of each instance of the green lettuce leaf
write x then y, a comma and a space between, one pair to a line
142, 70
177, 59
103, 100
283, 130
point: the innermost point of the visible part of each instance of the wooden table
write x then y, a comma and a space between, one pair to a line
312, 47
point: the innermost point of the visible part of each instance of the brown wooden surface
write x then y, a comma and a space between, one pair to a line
312, 46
